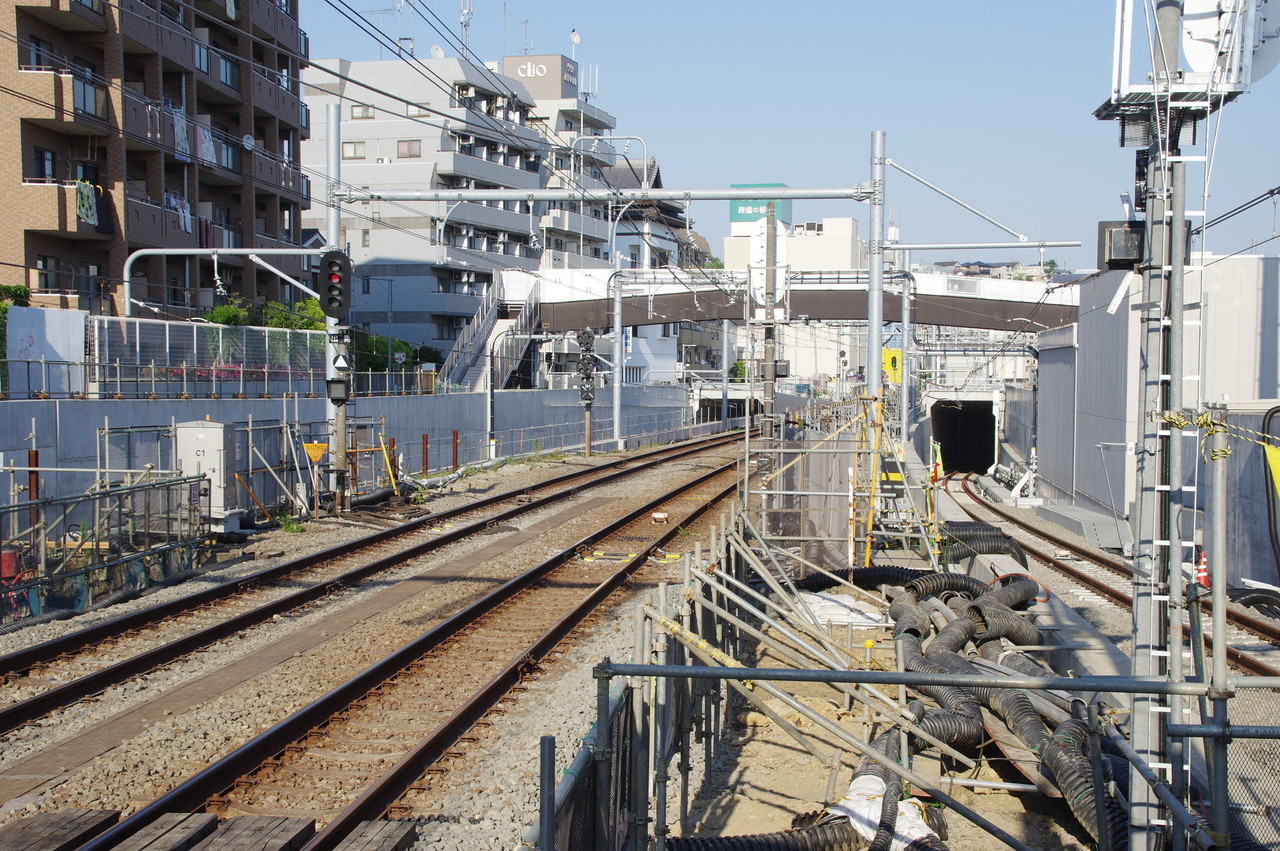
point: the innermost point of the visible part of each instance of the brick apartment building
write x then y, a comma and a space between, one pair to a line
150, 124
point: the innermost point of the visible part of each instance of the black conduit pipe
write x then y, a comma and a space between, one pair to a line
936, 583
863, 577
993, 620
836, 835
1063, 754
33, 620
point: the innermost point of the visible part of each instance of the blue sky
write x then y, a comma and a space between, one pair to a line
993, 102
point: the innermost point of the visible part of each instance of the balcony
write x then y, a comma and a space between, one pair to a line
218, 73
486, 172
146, 123
73, 15
226, 236
150, 225
49, 207
576, 223
273, 16
66, 101
140, 24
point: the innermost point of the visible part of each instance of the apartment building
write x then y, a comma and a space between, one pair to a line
652, 234
576, 233
424, 268
150, 124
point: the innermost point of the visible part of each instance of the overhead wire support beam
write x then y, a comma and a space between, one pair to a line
955, 246
945, 194
861, 192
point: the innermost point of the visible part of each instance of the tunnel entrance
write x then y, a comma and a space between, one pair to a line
967, 433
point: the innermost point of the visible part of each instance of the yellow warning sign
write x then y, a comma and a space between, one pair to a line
315, 451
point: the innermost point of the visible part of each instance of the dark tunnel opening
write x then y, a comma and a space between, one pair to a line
967, 434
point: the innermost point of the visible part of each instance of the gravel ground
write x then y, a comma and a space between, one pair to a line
488, 799
176, 747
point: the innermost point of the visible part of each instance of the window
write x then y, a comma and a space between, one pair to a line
407, 148
364, 241
46, 272
85, 93
44, 165
364, 280
416, 110
39, 54
353, 150
87, 172
222, 215
361, 111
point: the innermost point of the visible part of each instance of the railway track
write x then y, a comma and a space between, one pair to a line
360, 752
46, 677
1111, 578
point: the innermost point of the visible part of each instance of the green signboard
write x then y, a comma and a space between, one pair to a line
750, 211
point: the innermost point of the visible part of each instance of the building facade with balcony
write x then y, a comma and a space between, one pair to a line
151, 124
423, 269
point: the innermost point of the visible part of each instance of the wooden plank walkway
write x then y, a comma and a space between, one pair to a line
259, 833
381, 836
57, 831
171, 832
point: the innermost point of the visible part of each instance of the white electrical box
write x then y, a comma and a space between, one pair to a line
208, 449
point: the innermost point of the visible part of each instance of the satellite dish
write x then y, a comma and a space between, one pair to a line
1208, 32
247, 141
574, 37
437, 52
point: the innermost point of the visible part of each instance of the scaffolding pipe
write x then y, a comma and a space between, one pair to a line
608, 669
1184, 819
889, 711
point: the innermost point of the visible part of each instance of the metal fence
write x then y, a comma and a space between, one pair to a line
72, 553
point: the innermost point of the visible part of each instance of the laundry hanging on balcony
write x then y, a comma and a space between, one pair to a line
86, 203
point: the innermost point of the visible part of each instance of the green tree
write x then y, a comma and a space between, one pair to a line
232, 312
303, 316
738, 371
714, 263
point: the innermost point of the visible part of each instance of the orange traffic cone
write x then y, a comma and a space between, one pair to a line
1202, 570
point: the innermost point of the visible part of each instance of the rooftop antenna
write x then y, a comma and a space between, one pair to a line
577, 40
465, 13
527, 48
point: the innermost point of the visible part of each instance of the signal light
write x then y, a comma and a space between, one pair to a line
335, 294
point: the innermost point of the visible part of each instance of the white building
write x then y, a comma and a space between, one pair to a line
422, 267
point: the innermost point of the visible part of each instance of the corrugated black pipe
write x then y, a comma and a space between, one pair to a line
936, 583
995, 620
863, 577
122, 596
1012, 705
1015, 592
33, 620
373, 497
908, 617
959, 722
835, 835
1063, 754
954, 551
887, 744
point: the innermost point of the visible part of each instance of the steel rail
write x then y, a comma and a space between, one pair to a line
196, 792
1117, 595
16, 714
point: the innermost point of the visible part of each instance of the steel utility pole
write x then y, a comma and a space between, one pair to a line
770, 329
337, 331
1159, 550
